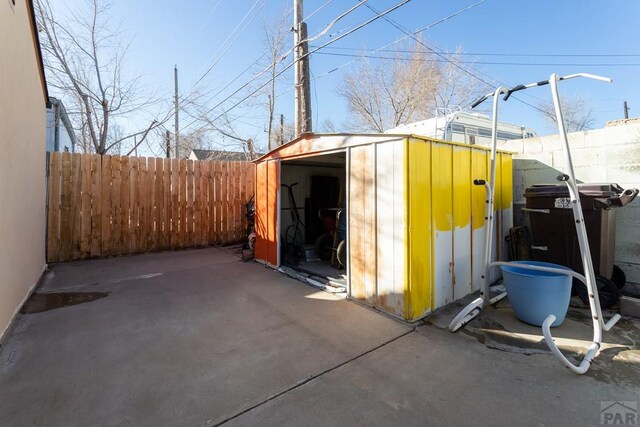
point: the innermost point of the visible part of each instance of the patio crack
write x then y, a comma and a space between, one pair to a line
313, 377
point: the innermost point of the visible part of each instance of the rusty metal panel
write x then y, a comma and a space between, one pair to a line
362, 246
267, 192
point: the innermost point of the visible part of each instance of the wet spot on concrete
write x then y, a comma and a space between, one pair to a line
39, 302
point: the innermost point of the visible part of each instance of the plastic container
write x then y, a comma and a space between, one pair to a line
534, 295
553, 235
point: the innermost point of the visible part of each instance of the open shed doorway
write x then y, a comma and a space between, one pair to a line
313, 219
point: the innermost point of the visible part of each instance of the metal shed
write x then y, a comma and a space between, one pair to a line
414, 218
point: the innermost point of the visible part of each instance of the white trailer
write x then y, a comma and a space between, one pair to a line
463, 127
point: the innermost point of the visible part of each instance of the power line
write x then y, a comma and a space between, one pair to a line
454, 63
394, 58
332, 23
435, 51
588, 55
259, 74
457, 66
215, 6
235, 39
421, 30
317, 10
246, 69
365, 23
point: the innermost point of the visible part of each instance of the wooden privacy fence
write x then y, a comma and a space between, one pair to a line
110, 205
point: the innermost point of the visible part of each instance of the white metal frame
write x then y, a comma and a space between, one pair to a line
475, 307
599, 325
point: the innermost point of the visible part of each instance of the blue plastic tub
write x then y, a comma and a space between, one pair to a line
534, 295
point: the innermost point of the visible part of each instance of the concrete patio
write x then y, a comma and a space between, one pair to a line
200, 338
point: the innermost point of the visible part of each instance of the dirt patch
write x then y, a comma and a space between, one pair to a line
38, 303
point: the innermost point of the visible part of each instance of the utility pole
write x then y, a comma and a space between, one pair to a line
301, 71
626, 110
177, 109
167, 140
281, 129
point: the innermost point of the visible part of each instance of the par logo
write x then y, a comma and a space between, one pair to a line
619, 413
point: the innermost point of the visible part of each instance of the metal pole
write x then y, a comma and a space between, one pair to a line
167, 139
302, 82
626, 110
177, 109
297, 17
281, 129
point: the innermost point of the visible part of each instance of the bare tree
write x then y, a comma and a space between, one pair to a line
454, 88
276, 36
216, 133
282, 133
328, 126
406, 87
85, 60
577, 113
384, 95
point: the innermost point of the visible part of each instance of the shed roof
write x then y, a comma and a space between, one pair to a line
309, 144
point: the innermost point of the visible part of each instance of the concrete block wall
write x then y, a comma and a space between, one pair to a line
611, 154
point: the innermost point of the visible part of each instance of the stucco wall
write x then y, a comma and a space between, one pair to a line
22, 161
611, 154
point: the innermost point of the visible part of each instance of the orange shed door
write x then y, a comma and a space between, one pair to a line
267, 193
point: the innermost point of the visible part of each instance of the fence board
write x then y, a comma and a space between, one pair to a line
237, 200
150, 202
134, 204
225, 210
106, 205
159, 204
233, 197
65, 208
217, 181
125, 219
190, 190
166, 214
96, 205
175, 203
143, 205
85, 207
53, 231
75, 206
182, 215
206, 222
111, 205
197, 204
116, 226
243, 198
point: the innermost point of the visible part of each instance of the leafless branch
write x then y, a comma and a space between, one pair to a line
85, 61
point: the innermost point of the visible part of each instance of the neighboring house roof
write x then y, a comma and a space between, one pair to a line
60, 113
38, 49
221, 155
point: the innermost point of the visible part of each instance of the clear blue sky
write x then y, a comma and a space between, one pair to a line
190, 34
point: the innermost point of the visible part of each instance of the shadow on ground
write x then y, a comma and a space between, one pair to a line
201, 338
498, 328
